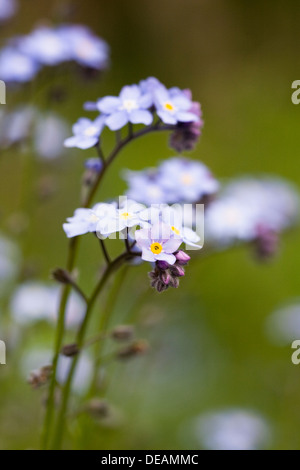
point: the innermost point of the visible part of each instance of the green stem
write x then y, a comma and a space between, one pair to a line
73, 247
103, 325
80, 342
58, 342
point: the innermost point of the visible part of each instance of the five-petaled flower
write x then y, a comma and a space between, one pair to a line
158, 243
130, 106
173, 106
86, 133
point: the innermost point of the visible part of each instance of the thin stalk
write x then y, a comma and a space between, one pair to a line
80, 342
72, 252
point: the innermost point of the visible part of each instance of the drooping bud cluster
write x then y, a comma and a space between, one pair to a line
165, 275
186, 134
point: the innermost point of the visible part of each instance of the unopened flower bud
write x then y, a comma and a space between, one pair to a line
163, 265
122, 332
70, 350
182, 258
174, 282
62, 276
177, 271
135, 349
165, 277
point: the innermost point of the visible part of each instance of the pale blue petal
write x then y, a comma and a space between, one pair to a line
184, 116
170, 259
166, 117
109, 104
130, 93
117, 120
172, 245
139, 116
147, 255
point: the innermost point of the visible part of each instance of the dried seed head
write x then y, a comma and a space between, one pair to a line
122, 332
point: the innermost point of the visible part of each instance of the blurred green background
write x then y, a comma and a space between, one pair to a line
208, 347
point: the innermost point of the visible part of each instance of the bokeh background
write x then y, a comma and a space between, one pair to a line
209, 349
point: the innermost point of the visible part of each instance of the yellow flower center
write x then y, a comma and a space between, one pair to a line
169, 107
187, 179
156, 248
125, 215
175, 230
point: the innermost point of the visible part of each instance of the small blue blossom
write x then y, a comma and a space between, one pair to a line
7, 9
186, 180
16, 66
175, 180
45, 45
173, 106
84, 47
86, 220
144, 187
158, 243
130, 106
86, 133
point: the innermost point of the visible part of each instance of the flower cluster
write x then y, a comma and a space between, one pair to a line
46, 130
24, 56
177, 180
252, 209
153, 234
139, 104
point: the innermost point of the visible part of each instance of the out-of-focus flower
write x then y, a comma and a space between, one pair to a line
10, 258
15, 66
17, 125
144, 187
186, 180
86, 133
84, 47
83, 374
173, 106
283, 325
158, 243
23, 57
248, 209
175, 180
50, 134
87, 220
35, 301
130, 106
8, 9
45, 46
233, 429
127, 216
